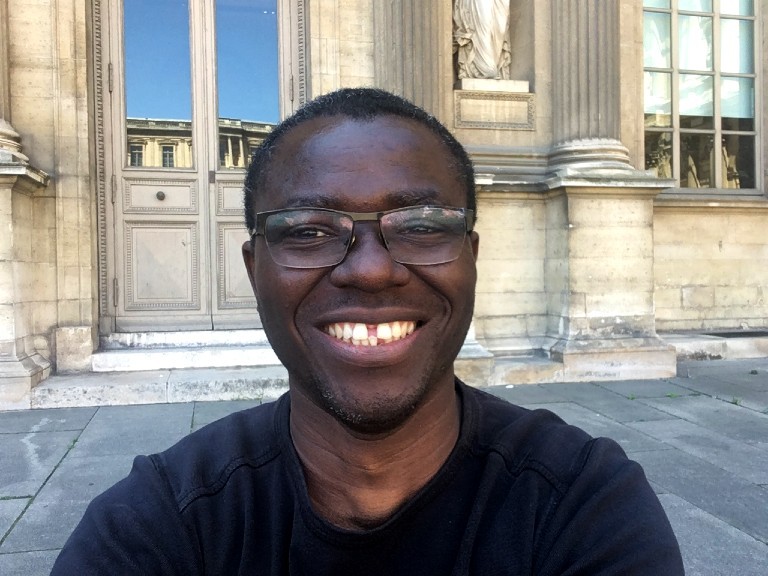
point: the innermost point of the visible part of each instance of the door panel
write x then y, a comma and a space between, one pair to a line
162, 266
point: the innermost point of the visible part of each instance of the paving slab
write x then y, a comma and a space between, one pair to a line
525, 394
606, 402
716, 491
26, 460
753, 395
60, 505
45, 420
82, 478
207, 412
598, 425
44, 526
646, 388
731, 420
728, 370
28, 563
10, 510
744, 460
135, 429
711, 547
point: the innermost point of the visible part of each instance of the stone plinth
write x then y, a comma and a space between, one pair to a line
21, 366
599, 270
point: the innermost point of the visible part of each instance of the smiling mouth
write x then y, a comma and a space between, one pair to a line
359, 334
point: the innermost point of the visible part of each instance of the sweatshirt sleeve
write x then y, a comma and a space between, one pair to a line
133, 528
608, 521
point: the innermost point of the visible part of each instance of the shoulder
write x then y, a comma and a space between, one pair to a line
536, 440
204, 461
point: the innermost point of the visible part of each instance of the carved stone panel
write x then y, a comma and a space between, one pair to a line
160, 196
162, 270
495, 110
234, 289
229, 197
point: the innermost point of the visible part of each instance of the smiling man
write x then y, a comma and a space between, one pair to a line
362, 255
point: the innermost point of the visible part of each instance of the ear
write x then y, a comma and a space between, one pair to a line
475, 241
250, 263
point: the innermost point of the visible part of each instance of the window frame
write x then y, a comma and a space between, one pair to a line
718, 131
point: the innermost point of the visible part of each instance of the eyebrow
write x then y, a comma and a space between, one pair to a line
401, 198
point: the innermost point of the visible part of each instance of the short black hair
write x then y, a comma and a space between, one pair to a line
362, 104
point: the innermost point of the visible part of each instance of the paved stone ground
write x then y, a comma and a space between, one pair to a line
702, 438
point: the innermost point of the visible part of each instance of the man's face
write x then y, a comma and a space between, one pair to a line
371, 166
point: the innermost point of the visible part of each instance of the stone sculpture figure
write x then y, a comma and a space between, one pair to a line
480, 38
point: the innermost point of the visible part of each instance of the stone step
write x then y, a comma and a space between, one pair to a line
144, 359
160, 386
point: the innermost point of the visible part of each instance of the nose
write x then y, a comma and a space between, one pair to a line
368, 264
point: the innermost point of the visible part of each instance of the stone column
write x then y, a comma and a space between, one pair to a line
412, 49
599, 264
586, 72
21, 367
10, 143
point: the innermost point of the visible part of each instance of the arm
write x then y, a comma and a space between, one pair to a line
608, 521
133, 528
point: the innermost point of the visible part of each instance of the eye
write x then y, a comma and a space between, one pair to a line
307, 233
420, 228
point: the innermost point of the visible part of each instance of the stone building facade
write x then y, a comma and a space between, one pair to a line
615, 235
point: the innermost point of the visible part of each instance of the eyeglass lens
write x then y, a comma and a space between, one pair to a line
315, 238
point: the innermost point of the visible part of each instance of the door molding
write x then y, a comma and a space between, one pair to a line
294, 79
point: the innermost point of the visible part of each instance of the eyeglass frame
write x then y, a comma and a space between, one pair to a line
261, 220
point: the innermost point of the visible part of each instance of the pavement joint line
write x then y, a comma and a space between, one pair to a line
734, 400
34, 496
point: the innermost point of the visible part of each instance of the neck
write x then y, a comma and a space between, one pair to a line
358, 481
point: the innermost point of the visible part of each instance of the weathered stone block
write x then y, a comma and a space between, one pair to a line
74, 348
698, 297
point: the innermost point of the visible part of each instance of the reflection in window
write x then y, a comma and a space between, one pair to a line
658, 153
158, 92
695, 42
696, 165
168, 156
699, 92
246, 32
136, 155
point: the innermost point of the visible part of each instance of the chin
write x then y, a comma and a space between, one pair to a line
378, 414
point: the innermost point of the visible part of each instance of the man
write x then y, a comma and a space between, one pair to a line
378, 461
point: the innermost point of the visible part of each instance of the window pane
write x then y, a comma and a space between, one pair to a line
656, 38
158, 89
697, 169
738, 161
695, 42
738, 103
695, 5
658, 99
658, 153
696, 102
737, 53
656, 3
248, 94
737, 7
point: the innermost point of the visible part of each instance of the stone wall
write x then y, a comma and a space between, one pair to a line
511, 300
341, 44
49, 86
711, 265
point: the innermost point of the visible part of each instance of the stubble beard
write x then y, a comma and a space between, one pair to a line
381, 414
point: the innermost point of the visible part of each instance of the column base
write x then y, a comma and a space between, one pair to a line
615, 359
18, 377
474, 365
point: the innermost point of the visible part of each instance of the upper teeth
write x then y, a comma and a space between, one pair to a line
360, 334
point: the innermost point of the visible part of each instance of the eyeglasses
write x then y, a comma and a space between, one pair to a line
318, 237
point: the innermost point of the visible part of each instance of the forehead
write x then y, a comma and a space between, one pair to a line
361, 165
